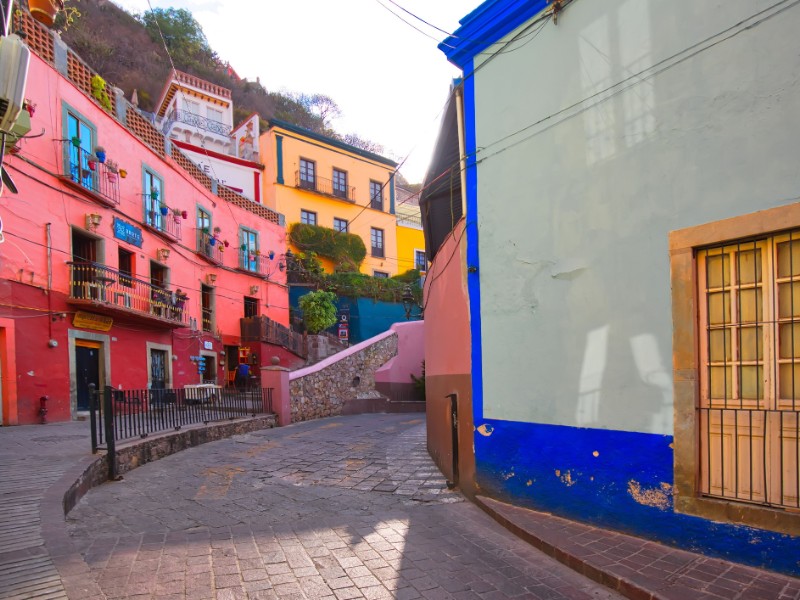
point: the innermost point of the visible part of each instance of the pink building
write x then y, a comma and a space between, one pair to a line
122, 264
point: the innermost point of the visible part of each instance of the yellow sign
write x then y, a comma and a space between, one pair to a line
92, 321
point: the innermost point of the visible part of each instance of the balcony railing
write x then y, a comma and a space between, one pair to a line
212, 251
195, 120
162, 218
263, 329
83, 170
260, 264
97, 283
320, 185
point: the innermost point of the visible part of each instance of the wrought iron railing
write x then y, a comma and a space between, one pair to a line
120, 415
96, 282
262, 264
195, 120
324, 186
85, 169
263, 329
210, 247
751, 455
162, 218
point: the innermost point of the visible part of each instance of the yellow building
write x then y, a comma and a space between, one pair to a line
410, 237
314, 179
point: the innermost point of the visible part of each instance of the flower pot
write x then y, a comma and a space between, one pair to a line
123, 173
101, 156
45, 11
177, 218
76, 141
225, 243
185, 214
154, 195
92, 165
164, 210
212, 241
112, 177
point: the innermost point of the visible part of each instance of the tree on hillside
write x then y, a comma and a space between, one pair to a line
183, 36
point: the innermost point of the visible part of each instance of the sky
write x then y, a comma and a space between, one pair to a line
389, 80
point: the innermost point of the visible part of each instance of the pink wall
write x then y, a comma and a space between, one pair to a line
34, 287
410, 354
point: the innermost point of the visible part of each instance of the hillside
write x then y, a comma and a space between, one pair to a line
123, 51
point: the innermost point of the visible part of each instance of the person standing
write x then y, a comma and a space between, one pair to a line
242, 374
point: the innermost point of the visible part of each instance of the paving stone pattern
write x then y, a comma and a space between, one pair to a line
340, 508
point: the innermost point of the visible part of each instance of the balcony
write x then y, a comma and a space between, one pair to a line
107, 290
212, 251
162, 219
196, 121
325, 187
263, 329
82, 171
259, 264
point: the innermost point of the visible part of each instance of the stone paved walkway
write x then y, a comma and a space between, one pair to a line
342, 508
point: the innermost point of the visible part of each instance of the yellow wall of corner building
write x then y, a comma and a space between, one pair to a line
288, 199
409, 240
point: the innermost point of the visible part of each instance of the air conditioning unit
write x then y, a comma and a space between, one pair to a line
14, 59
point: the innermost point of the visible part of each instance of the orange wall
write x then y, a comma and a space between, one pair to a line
290, 200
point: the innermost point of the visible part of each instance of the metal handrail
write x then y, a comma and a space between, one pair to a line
326, 187
189, 118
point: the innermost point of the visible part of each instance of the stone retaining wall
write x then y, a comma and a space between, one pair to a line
318, 393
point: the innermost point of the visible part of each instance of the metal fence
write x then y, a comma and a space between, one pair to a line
121, 415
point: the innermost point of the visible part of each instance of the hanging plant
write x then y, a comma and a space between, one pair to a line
92, 164
99, 92
164, 209
243, 246
185, 214
100, 153
225, 243
123, 173
76, 141
212, 241
154, 195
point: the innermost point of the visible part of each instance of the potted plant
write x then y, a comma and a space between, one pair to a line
100, 153
111, 171
217, 230
154, 195
29, 106
45, 11
185, 214
176, 214
225, 243
92, 163
164, 209
123, 173
76, 141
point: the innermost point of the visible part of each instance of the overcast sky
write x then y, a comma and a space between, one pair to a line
390, 81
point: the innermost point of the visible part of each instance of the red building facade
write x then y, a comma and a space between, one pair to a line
122, 263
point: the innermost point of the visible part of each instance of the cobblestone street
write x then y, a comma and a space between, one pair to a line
349, 507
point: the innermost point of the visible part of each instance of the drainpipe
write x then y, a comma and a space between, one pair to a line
49, 279
461, 145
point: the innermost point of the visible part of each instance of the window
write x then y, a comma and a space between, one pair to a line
308, 177
307, 217
420, 260
380, 274
749, 301
376, 195
80, 148
340, 225
339, 183
153, 199
125, 267
248, 250
736, 369
214, 115
207, 303
376, 238
191, 106
250, 307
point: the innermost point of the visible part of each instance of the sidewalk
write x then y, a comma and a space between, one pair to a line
38, 464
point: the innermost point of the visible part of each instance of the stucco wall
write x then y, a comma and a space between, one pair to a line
321, 390
574, 277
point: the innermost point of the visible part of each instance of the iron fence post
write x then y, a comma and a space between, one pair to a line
93, 415
108, 421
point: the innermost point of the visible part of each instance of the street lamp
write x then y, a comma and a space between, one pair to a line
408, 301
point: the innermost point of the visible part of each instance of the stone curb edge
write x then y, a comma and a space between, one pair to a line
91, 471
624, 586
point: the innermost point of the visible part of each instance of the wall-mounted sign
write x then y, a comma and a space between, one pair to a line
127, 232
344, 332
208, 345
88, 320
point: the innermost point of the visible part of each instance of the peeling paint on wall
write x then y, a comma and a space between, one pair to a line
660, 497
566, 478
508, 475
485, 430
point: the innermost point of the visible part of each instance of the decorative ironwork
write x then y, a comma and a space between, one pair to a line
195, 120
212, 250
83, 168
98, 283
326, 187
162, 218
263, 264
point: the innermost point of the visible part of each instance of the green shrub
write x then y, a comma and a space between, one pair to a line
346, 250
319, 310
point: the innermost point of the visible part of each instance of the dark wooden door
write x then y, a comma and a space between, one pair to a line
87, 367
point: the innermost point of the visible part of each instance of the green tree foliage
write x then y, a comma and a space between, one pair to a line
183, 36
319, 310
346, 250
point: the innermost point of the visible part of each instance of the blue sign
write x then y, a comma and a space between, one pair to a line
127, 233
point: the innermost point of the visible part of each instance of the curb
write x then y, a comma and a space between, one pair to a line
624, 586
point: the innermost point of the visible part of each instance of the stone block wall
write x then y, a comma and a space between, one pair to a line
321, 390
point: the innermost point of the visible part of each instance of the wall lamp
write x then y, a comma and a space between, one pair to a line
211, 278
253, 290
162, 254
93, 221
409, 303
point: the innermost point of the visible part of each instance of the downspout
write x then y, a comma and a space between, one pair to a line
461, 145
49, 279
